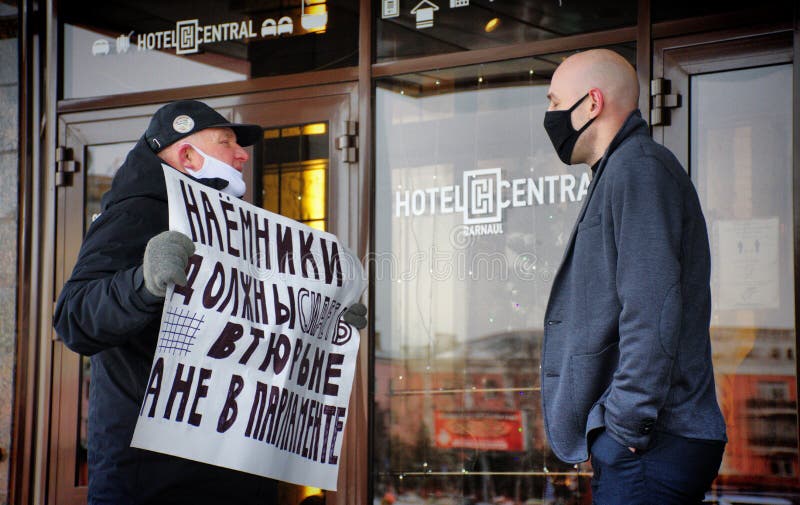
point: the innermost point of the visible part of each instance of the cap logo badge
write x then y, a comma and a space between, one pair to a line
183, 124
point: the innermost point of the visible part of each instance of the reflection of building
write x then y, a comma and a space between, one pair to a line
758, 395
497, 373
477, 391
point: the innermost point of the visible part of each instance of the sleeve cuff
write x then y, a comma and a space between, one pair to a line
146, 296
629, 438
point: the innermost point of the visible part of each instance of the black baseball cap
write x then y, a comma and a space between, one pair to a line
180, 119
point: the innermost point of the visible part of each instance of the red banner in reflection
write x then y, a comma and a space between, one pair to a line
487, 431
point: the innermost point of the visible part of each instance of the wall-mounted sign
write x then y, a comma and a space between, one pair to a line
424, 12
189, 35
484, 194
486, 431
390, 9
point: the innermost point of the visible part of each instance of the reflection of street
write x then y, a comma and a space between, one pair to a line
464, 427
757, 389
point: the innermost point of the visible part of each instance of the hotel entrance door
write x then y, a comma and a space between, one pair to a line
733, 132
304, 168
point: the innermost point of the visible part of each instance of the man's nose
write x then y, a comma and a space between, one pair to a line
241, 153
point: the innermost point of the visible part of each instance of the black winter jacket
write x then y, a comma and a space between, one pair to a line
104, 311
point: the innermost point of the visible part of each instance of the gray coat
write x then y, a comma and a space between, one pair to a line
626, 341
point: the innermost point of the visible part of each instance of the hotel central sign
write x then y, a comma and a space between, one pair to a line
189, 35
483, 196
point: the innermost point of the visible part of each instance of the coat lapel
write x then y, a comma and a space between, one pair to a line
633, 122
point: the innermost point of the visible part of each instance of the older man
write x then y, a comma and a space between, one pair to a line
626, 362
110, 308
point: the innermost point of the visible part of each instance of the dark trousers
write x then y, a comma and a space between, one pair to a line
672, 471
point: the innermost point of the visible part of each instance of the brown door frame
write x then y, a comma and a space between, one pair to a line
676, 58
768, 44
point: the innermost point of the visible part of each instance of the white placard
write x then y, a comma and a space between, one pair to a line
253, 368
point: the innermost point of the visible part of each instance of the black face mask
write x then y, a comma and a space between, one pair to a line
558, 125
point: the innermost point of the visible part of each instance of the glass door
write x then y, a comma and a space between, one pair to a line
473, 212
734, 135
296, 170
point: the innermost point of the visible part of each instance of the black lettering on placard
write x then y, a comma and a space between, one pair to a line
195, 261
153, 387
285, 249
192, 213
260, 302
322, 314
316, 370
331, 319
230, 225
179, 387
257, 409
306, 256
298, 351
230, 410
307, 309
226, 342
330, 260
337, 428
278, 351
247, 307
211, 218
272, 412
262, 235
305, 365
315, 431
329, 411
288, 430
211, 295
283, 313
247, 234
233, 293
275, 426
301, 426
331, 371
258, 336
202, 391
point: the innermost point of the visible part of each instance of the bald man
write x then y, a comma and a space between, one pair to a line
626, 362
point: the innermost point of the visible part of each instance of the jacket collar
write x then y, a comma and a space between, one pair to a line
633, 125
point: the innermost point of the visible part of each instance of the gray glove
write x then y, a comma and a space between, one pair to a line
356, 315
165, 260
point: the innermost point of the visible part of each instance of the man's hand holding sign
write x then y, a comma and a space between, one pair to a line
254, 367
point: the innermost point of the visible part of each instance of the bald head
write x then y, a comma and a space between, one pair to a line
605, 70
613, 93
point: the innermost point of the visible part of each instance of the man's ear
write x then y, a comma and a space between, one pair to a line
189, 158
597, 102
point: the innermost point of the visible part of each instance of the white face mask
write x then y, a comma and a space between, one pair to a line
214, 168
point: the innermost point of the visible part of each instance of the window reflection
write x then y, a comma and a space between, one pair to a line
294, 174
102, 162
473, 211
741, 162
106, 46
423, 28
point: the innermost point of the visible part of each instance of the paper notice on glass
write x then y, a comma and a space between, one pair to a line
254, 367
747, 262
